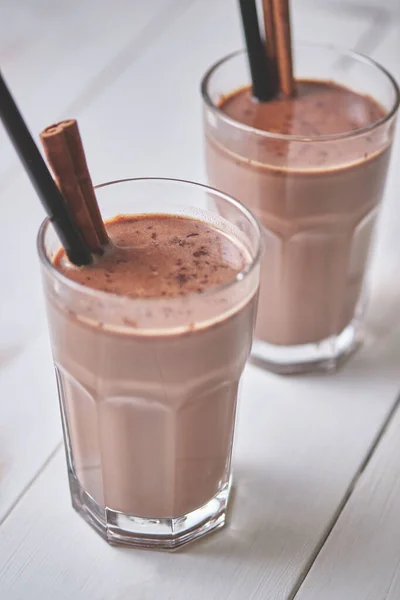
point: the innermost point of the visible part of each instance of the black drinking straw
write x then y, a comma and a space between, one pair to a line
262, 88
42, 181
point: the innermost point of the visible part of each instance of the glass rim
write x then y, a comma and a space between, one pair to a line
300, 138
107, 296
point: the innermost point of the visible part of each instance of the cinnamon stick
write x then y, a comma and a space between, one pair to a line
49, 194
60, 160
281, 18
77, 153
270, 41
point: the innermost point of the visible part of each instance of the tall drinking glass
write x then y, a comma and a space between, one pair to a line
148, 387
317, 198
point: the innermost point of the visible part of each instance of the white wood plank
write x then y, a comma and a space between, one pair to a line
386, 5
386, 257
299, 443
28, 397
54, 52
22, 315
361, 559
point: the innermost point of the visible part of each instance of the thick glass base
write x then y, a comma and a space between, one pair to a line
158, 534
324, 356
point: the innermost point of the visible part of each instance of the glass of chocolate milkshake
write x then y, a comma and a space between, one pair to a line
149, 343
312, 169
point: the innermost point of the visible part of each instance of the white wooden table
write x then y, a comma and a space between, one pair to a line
316, 509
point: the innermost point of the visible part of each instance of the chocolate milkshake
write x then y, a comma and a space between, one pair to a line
312, 168
149, 343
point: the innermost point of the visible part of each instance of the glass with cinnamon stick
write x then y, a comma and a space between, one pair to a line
149, 343
308, 153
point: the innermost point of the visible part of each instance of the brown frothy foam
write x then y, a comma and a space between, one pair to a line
151, 256
319, 108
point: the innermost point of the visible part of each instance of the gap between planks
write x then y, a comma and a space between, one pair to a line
30, 483
375, 443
